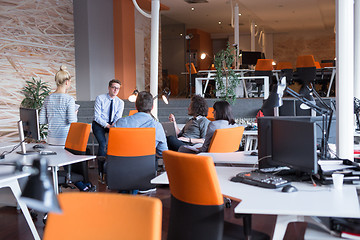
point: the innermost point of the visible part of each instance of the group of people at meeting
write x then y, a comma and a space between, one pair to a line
59, 112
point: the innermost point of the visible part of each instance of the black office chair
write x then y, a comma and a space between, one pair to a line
263, 68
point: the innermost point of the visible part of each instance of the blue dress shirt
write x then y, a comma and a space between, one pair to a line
102, 109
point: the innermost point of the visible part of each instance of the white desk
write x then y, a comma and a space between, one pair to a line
210, 75
62, 158
299, 206
241, 157
10, 179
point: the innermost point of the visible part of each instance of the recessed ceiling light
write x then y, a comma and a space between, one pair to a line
255, 25
181, 34
239, 14
219, 22
192, 9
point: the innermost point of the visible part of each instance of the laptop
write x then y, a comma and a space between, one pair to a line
169, 128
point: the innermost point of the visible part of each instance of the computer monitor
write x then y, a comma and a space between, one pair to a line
265, 139
30, 121
28, 127
294, 145
250, 58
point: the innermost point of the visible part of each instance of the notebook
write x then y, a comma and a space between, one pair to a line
169, 128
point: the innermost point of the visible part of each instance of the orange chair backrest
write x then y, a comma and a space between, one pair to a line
317, 65
284, 65
132, 112
210, 114
78, 136
226, 140
131, 142
305, 61
105, 216
193, 69
264, 65
192, 178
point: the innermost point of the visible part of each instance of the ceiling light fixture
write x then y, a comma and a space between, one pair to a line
192, 9
239, 14
219, 22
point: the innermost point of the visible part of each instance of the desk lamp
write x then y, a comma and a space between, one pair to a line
165, 95
133, 96
38, 193
274, 101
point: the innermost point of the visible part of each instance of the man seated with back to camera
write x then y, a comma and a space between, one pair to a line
194, 130
143, 119
224, 118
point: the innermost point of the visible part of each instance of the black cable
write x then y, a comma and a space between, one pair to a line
2, 155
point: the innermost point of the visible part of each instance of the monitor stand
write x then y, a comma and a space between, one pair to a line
22, 141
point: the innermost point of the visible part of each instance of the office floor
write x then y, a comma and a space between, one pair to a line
14, 227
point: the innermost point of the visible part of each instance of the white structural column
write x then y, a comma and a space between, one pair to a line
154, 53
252, 36
357, 48
345, 78
154, 50
236, 32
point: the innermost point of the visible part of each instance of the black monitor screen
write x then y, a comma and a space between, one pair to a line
294, 145
30, 120
250, 58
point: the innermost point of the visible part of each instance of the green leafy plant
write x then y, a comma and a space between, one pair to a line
35, 92
226, 79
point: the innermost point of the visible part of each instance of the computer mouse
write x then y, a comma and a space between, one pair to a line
38, 146
289, 189
254, 153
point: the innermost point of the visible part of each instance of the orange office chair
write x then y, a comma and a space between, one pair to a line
132, 112
197, 205
121, 217
76, 142
263, 67
210, 114
130, 161
226, 140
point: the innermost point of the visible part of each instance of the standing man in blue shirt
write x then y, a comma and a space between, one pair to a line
108, 109
144, 119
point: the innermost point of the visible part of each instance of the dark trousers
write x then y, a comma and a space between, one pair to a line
99, 133
174, 143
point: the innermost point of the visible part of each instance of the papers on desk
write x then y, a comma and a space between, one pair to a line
329, 166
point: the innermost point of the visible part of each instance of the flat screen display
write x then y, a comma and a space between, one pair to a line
250, 58
294, 145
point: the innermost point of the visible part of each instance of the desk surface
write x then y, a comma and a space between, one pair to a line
241, 157
308, 201
62, 157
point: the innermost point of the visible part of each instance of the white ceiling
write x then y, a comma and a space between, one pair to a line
274, 16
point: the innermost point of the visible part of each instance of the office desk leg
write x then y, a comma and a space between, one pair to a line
54, 171
281, 224
15, 188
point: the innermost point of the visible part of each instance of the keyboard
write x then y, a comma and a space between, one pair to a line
264, 180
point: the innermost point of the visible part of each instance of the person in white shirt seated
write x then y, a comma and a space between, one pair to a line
224, 118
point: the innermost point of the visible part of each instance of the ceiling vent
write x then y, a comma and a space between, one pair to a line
196, 1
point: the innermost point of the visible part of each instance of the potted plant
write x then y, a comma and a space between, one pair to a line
226, 80
35, 92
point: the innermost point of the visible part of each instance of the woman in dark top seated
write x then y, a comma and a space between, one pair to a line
223, 119
194, 130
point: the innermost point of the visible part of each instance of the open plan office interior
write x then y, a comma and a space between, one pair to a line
297, 98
